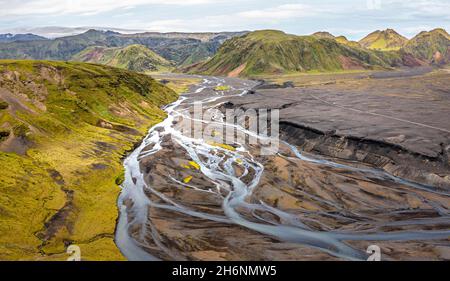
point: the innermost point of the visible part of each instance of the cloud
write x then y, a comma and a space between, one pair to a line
345, 13
87, 7
244, 20
401, 10
282, 12
431, 9
423, 7
352, 17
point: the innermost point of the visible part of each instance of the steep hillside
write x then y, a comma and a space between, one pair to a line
323, 35
181, 48
385, 40
7, 38
345, 41
58, 49
64, 128
339, 39
134, 57
432, 46
202, 36
271, 52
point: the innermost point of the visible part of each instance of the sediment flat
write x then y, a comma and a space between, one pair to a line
397, 122
315, 199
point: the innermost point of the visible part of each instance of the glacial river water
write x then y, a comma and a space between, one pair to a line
219, 169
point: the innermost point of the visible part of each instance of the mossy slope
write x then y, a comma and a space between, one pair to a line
134, 57
274, 52
384, 40
432, 46
68, 126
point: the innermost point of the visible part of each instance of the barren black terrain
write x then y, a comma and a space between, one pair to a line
360, 164
397, 121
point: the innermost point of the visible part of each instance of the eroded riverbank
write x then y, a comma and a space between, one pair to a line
240, 205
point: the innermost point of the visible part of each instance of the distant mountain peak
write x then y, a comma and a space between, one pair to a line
267, 32
343, 40
340, 39
270, 52
324, 34
436, 31
182, 48
104, 31
441, 31
384, 40
96, 31
9, 37
432, 46
133, 57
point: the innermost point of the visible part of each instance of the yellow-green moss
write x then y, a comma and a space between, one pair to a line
188, 179
179, 85
222, 88
92, 116
21, 130
222, 145
195, 165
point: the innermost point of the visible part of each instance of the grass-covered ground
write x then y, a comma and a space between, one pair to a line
64, 128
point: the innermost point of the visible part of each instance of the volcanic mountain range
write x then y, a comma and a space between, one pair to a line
236, 53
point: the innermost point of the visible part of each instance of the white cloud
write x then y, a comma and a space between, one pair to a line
244, 20
423, 8
88, 7
402, 10
348, 17
282, 12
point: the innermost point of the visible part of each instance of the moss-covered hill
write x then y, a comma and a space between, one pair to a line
384, 40
181, 48
340, 39
343, 40
64, 128
273, 52
432, 46
134, 57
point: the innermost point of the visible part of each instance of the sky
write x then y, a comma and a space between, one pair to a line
352, 18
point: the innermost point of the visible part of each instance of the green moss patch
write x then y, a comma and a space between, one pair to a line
222, 88
64, 189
